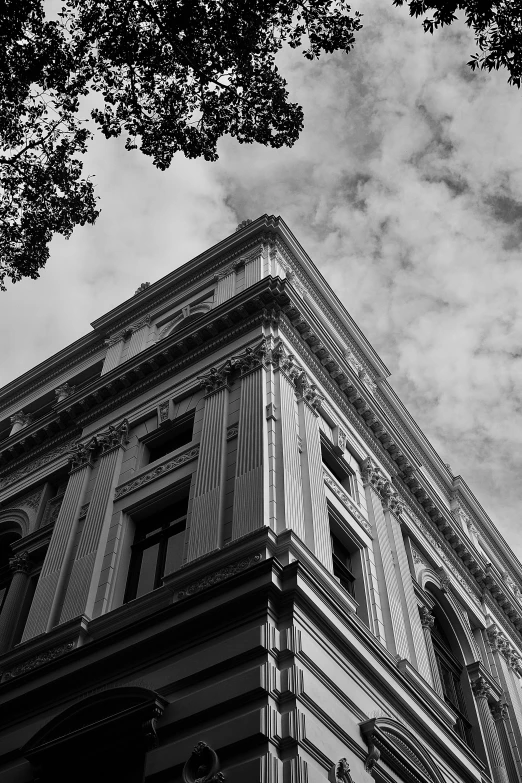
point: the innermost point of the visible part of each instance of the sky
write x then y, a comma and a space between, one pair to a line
405, 189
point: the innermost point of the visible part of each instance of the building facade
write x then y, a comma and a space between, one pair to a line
229, 554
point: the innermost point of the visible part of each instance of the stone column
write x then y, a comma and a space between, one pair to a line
206, 526
113, 355
226, 285
499, 713
290, 500
250, 510
87, 565
47, 598
416, 643
20, 565
427, 621
498, 770
140, 331
377, 486
315, 508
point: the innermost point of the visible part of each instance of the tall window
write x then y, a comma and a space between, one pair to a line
342, 565
339, 469
450, 670
157, 549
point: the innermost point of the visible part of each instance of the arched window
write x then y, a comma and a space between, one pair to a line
103, 738
452, 672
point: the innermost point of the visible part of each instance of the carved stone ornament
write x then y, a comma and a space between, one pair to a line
219, 576
481, 688
20, 563
64, 391
202, 766
372, 474
444, 579
346, 500
113, 437
243, 224
20, 420
82, 454
426, 618
217, 377
159, 470
341, 439
499, 642
374, 754
142, 287
35, 464
342, 772
39, 660
163, 411
499, 711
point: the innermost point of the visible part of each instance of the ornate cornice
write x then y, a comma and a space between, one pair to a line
145, 369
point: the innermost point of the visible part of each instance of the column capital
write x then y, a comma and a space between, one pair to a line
481, 688
499, 711
216, 378
82, 454
20, 563
426, 617
64, 391
114, 437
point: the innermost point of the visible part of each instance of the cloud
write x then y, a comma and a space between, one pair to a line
405, 189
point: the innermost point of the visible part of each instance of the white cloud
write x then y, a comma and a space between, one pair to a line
406, 190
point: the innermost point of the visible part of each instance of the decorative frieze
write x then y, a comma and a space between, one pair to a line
219, 576
160, 470
38, 660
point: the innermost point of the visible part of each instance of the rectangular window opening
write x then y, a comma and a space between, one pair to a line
179, 434
157, 549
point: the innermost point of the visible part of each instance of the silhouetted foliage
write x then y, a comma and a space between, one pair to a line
172, 76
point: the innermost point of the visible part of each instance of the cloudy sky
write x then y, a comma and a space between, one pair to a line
405, 189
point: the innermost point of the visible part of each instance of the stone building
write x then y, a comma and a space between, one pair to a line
229, 553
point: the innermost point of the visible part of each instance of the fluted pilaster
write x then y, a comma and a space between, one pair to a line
427, 620
206, 527
499, 713
253, 270
414, 632
251, 484
289, 459
87, 565
314, 495
113, 355
138, 338
47, 598
226, 285
20, 565
481, 691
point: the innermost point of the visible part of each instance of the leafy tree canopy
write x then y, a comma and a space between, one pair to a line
171, 75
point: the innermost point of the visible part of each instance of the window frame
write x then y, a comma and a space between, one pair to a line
338, 466
165, 434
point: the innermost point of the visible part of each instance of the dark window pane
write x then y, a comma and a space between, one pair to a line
147, 578
174, 552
